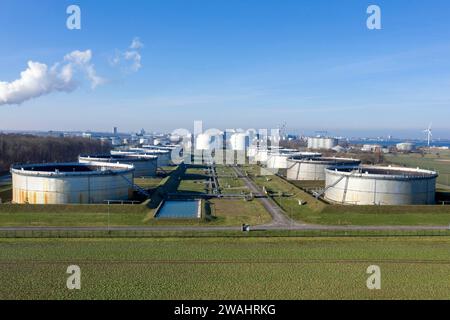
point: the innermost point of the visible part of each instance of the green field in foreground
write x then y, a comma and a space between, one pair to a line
223, 268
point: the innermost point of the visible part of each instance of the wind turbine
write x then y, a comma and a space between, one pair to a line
429, 134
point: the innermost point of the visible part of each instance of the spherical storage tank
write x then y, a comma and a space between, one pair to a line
64, 183
144, 165
313, 168
375, 185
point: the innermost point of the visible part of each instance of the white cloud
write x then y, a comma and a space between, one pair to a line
135, 57
38, 79
132, 54
136, 44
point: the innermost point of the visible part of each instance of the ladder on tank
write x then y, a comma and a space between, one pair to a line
137, 188
319, 194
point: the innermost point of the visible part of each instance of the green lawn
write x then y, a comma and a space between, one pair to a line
232, 185
6, 193
226, 268
239, 211
439, 163
149, 182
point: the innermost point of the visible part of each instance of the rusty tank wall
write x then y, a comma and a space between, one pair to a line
43, 187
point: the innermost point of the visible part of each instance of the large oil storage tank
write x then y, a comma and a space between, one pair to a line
405, 146
262, 155
164, 156
322, 143
375, 185
202, 142
279, 159
313, 168
239, 141
144, 165
252, 151
65, 183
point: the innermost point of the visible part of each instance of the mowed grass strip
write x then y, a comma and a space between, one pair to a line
239, 211
222, 268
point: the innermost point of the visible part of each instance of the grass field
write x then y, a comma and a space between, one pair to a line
223, 268
224, 214
193, 180
239, 211
5, 193
439, 163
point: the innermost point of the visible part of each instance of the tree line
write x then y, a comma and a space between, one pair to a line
25, 148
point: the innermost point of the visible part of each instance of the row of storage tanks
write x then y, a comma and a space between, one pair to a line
93, 179
346, 181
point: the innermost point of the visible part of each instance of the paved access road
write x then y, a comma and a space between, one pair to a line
279, 219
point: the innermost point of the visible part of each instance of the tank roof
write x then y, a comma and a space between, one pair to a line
324, 160
71, 168
118, 157
385, 172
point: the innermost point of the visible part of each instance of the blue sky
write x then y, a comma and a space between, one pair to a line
236, 63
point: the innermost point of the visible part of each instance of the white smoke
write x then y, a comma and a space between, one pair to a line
38, 79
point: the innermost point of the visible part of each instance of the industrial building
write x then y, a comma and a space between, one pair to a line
375, 185
72, 183
313, 168
322, 143
144, 165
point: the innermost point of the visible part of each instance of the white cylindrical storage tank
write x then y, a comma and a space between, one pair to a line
262, 155
174, 138
375, 185
406, 146
144, 165
309, 169
279, 159
239, 142
322, 143
65, 183
164, 156
202, 142
252, 151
